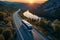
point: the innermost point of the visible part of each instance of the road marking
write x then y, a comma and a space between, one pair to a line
15, 15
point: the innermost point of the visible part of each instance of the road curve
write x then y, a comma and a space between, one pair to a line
23, 33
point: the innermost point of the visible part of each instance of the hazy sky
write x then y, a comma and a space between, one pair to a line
27, 1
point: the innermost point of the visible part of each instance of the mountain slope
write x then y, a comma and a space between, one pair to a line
49, 10
14, 5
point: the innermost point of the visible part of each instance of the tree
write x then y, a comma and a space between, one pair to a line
1, 17
49, 27
2, 37
1, 30
7, 34
42, 22
56, 22
6, 21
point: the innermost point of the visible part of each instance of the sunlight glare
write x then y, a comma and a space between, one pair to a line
31, 1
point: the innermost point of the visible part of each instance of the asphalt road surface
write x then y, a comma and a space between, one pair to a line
22, 32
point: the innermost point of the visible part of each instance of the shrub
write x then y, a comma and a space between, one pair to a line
7, 34
2, 37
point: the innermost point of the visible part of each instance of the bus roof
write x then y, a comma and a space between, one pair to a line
27, 23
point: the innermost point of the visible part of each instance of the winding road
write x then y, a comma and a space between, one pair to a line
22, 32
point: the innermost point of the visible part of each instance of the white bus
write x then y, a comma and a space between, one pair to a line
27, 24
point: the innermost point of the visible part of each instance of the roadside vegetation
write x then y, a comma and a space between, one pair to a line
7, 30
51, 29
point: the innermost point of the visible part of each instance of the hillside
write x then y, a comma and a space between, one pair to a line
49, 10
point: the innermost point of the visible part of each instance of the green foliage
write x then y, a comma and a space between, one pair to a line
1, 17
1, 30
6, 21
2, 37
7, 34
46, 26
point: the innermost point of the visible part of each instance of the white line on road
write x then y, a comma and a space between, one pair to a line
15, 18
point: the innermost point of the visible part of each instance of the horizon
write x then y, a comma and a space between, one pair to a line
26, 1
